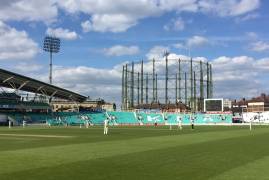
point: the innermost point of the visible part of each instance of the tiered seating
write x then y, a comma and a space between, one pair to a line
151, 118
173, 118
198, 118
213, 118
68, 118
96, 118
124, 117
24, 104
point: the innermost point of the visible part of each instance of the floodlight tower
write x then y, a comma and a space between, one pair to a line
51, 45
166, 54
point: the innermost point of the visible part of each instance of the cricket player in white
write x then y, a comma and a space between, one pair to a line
48, 123
106, 126
250, 122
9, 124
192, 121
23, 123
179, 121
87, 123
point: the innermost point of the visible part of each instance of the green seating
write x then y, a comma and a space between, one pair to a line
121, 118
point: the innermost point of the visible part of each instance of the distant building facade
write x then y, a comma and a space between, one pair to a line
227, 104
257, 104
88, 105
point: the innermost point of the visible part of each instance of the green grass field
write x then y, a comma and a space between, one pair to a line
134, 153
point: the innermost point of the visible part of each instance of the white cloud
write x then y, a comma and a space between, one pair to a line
179, 6
119, 15
111, 15
252, 35
15, 45
62, 33
119, 50
228, 7
179, 46
28, 10
259, 46
109, 22
240, 76
247, 17
179, 24
27, 67
193, 42
86, 26
196, 41
157, 52
263, 64
244, 6
175, 25
89, 81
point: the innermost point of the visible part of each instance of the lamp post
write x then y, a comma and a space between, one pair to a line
51, 45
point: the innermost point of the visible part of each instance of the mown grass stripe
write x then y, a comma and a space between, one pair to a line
15, 160
203, 160
36, 135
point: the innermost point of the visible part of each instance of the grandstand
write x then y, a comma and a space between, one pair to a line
119, 118
12, 101
34, 107
19, 82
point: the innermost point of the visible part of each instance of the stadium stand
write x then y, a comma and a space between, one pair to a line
124, 118
151, 118
19, 82
119, 118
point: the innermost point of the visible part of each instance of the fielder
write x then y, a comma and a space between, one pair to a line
250, 122
106, 126
179, 121
140, 120
23, 123
9, 124
192, 122
48, 123
87, 123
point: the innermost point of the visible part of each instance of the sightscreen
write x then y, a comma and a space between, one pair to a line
213, 105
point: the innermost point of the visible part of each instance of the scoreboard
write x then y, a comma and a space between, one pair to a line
213, 105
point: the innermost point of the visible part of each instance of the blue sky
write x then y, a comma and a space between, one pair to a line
97, 36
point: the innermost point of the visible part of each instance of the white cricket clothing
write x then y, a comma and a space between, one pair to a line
180, 124
87, 123
105, 126
179, 121
23, 123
